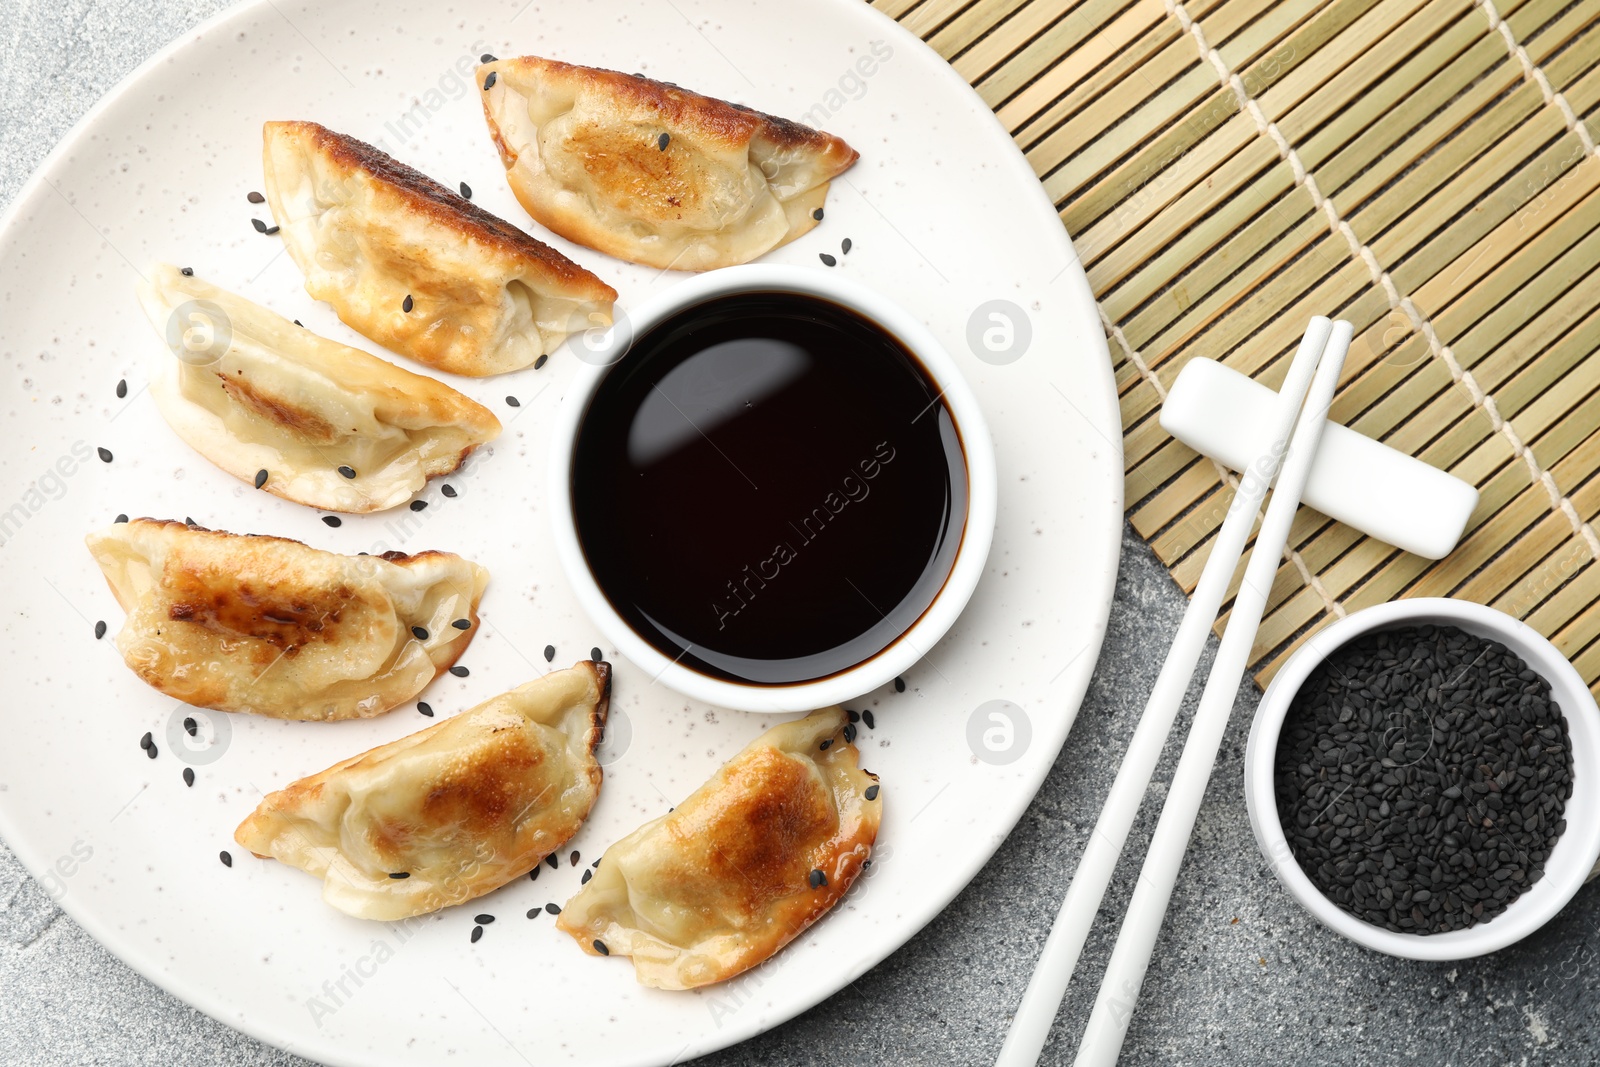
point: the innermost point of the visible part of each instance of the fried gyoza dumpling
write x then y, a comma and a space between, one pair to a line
418, 269
448, 813
650, 172
331, 426
738, 870
240, 622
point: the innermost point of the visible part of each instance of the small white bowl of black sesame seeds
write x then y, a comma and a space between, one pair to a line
1420, 776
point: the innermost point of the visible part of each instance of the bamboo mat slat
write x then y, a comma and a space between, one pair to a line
1426, 169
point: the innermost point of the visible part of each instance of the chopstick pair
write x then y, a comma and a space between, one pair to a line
1313, 376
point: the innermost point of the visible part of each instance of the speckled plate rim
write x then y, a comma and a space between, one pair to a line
1098, 404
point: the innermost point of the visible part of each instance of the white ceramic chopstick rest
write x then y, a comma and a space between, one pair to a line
1363, 483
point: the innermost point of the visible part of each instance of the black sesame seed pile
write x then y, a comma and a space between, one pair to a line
1421, 778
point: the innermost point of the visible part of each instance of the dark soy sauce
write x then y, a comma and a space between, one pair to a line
768, 488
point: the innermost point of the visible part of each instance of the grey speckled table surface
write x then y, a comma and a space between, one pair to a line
1241, 975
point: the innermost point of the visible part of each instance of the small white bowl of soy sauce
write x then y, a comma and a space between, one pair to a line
1424, 740
772, 490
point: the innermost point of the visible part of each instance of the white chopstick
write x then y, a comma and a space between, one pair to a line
1119, 988
1037, 1011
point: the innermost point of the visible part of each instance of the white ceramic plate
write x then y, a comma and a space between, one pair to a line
945, 217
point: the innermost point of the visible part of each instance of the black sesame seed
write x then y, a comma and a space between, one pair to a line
555, 864
596, 863
187, 272
407, 304
1414, 782
485, 919
459, 671
866, 717
425, 707
853, 716
817, 214
549, 653
486, 58
477, 932
189, 521
188, 777
420, 633
827, 741
227, 860
146, 741
191, 727
261, 477
105, 454
122, 388
260, 226
270, 230
418, 505
553, 909
513, 401
462, 624
845, 246
300, 324
818, 879
255, 197
849, 733
448, 490
399, 874
466, 191
899, 685
541, 361
662, 142
533, 875
99, 629
488, 83
332, 520
534, 913
121, 518
599, 945
594, 654
872, 792
152, 751
586, 876
347, 471
827, 260
573, 859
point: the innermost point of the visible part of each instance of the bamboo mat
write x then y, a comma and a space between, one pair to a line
1424, 168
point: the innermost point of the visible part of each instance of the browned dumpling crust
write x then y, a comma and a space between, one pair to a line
650, 172
298, 415
415, 267
740, 868
270, 626
450, 812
